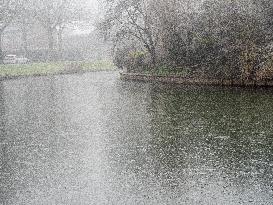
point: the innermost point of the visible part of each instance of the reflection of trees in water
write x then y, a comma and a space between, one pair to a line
127, 131
2, 111
32, 127
227, 130
181, 140
173, 149
43, 114
5, 169
36, 120
239, 132
40, 103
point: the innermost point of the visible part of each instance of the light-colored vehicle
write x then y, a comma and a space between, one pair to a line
22, 60
10, 59
13, 59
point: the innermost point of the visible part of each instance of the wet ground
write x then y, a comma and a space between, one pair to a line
93, 139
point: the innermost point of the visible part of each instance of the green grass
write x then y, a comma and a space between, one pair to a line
166, 71
54, 68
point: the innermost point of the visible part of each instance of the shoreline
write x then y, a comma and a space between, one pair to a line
192, 81
80, 72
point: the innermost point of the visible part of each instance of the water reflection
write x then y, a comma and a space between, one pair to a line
194, 145
215, 137
4, 166
92, 139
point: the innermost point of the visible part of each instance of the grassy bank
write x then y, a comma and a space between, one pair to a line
52, 68
166, 71
176, 79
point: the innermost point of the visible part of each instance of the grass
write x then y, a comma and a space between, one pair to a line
166, 71
52, 68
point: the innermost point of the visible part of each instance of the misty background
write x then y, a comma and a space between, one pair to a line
219, 39
52, 30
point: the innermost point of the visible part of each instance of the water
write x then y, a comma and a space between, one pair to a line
93, 139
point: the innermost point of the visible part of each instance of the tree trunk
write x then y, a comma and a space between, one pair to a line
60, 43
24, 39
152, 49
50, 44
1, 50
153, 56
152, 52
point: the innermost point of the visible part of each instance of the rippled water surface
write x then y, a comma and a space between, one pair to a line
93, 139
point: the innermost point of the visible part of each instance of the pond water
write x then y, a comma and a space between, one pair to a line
94, 139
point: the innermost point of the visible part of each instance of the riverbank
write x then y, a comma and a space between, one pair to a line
193, 81
52, 68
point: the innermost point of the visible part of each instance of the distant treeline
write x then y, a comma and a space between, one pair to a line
43, 21
228, 39
75, 48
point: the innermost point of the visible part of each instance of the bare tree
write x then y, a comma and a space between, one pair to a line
54, 16
24, 22
132, 20
8, 12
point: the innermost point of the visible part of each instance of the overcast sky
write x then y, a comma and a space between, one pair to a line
94, 7
93, 4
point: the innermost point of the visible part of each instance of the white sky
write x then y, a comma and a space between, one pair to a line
94, 7
94, 4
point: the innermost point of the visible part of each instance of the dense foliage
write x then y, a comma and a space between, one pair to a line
229, 39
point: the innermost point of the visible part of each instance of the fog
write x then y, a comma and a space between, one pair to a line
136, 102
50, 30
